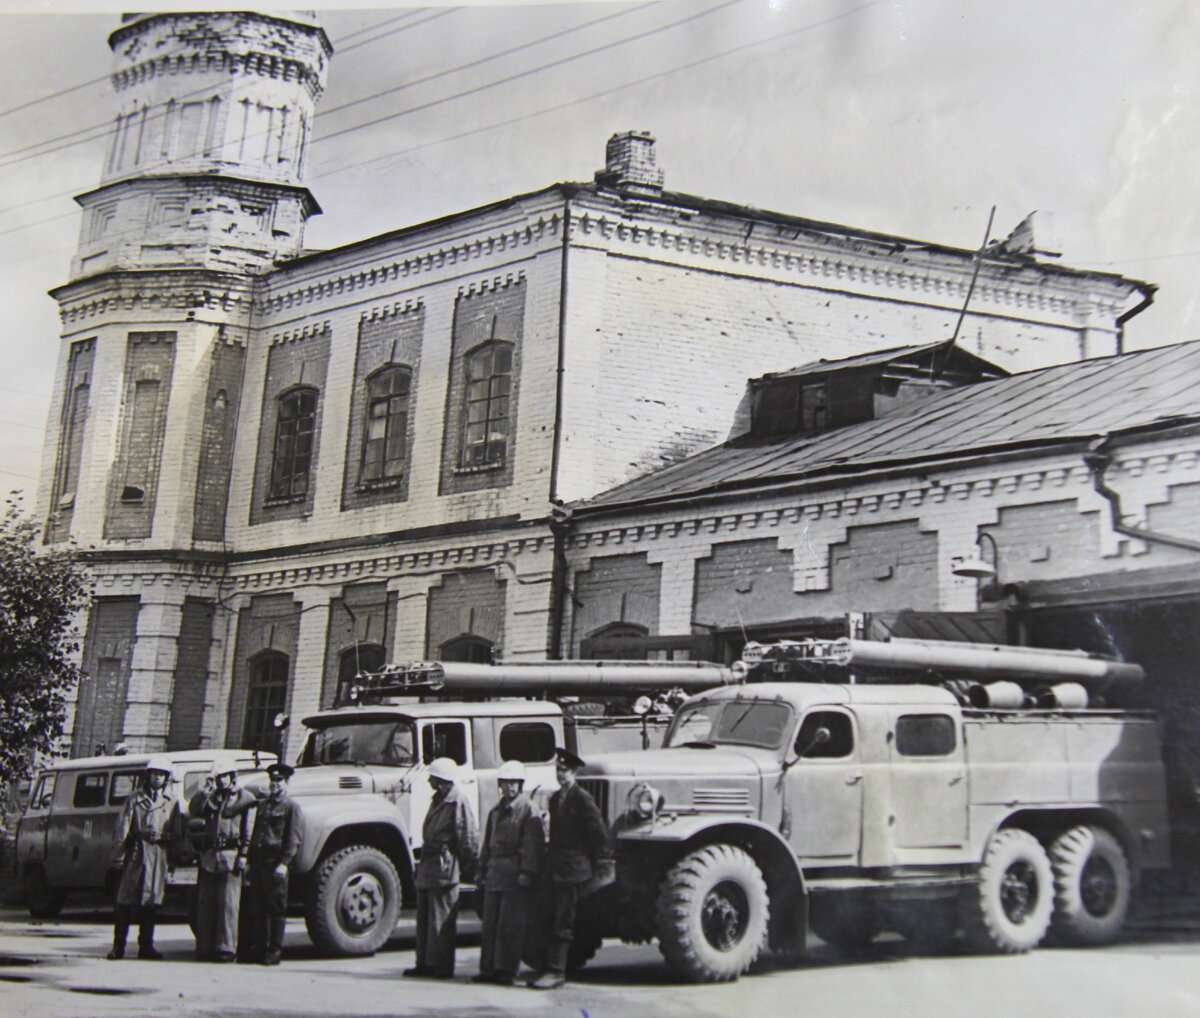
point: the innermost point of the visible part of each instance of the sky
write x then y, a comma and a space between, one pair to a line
913, 118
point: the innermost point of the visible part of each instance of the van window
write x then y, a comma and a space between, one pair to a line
89, 790
447, 738
123, 785
925, 735
43, 792
527, 741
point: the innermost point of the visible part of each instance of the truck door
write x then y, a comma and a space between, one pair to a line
31, 830
928, 808
441, 738
823, 790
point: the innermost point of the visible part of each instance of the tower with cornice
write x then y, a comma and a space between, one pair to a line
201, 192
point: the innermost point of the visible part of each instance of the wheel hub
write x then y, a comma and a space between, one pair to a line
1098, 887
360, 902
724, 915
1019, 892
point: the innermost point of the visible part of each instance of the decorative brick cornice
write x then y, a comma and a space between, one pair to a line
307, 331
396, 310
413, 265
157, 296
905, 498
262, 65
494, 284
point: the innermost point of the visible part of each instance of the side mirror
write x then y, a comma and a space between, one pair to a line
819, 738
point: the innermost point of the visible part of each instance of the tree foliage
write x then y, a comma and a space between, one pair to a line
40, 594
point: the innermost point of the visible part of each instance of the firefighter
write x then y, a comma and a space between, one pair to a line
449, 849
509, 864
150, 824
222, 806
274, 842
578, 841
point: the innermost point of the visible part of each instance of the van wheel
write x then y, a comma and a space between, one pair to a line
354, 903
712, 914
1092, 886
584, 945
1008, 909
44, 901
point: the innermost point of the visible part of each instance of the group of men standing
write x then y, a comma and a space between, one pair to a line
230, 846
529, 882
530, 885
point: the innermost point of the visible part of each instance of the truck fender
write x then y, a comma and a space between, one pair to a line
322, 820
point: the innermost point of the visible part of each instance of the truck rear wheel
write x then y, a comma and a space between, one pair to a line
1092, 886
712, 914
354, 902
1008, 910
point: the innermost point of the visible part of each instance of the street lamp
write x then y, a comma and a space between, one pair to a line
978, 567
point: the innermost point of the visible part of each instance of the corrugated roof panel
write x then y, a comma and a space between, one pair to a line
1068, 401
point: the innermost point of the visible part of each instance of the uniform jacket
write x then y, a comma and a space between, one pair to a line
449, 842
578, 836
513, 844
150, 824
226, 827
278, 827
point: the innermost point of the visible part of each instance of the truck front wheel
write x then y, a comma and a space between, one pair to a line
43, 901
712, 914
1092, 885
1008, 910
354, 903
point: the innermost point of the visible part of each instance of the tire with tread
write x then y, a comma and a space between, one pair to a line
354, 903
1092, 886
712, 914
42, 900
1008, 910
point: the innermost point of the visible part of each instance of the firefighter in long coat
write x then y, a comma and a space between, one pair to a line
150, 824
222, 806
578, 841
509, 865
449, 851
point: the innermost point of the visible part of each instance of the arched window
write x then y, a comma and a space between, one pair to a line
366, 657
266, 697
474, 649
294, 428
386, 427
486, 423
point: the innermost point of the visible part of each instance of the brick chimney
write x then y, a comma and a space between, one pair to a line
630, 164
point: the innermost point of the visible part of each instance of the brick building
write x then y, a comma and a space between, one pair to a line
1076, 487
286, 465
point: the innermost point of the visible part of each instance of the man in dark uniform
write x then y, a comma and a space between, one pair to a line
509, 863
222, 806
449, 849
274, 842
150, 823
578, 839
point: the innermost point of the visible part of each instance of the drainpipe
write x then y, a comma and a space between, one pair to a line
560, 519
1098, 460
1148, 291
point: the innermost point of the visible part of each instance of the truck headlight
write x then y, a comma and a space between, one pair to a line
643, 800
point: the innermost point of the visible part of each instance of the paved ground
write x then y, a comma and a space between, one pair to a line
57, 969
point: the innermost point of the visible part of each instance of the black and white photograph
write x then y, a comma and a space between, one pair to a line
680, 508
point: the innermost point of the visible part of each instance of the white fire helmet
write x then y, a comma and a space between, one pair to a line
511, 770
444, 768
160, 763
223, 764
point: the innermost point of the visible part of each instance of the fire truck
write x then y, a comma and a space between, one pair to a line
851, 787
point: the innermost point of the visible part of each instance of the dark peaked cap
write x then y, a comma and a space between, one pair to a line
280, 770
567, 759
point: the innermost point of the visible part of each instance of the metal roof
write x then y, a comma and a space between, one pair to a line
902, 355
1142, 390
450, 709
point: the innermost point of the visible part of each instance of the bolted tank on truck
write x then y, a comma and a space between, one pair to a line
362, 777
852, 787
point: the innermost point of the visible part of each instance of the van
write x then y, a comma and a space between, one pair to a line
66, 838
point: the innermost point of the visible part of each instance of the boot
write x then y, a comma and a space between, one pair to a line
146, 949
120, 933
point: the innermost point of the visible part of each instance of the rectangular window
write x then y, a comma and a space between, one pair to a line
486, 422
123, 785
142, 432
527, 741
445, 738
925, 735
89, 790
294, 428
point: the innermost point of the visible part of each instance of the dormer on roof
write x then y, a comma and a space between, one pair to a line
830, 394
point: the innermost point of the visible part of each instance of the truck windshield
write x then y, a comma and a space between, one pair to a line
734, 722
388, 742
